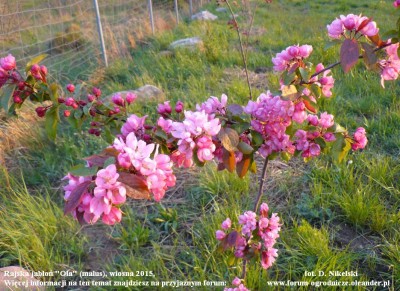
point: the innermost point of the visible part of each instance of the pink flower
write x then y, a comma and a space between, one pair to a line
236, 281
370, 29
264, 209
326, 120
165, 124
360, 139
213, 105
118, 100
226, 224
133, 124
315, 149
113, 216
107, 177
220, 235
396, 3
70, 88
268, 257
205, 149
8, 63
350, 21
164, 109
130, 97
100, 205
329, 136
335, 29
248, 220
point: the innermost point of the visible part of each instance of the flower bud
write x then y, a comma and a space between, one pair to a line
71, 88
8, 63
146, 137
179, 107
92, 112
43, 70
67, 113
117, 110
75, 105
148, 126
96, 92
61, 100
82, 102
21, 85
17, 99
130, 97
94, 131
118, 100
91, 98
94, 124
70, 101
41, 111
35, 69
164, 109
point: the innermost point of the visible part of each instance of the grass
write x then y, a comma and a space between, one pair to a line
336, 217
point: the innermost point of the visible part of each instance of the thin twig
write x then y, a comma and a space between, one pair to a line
241, 47
261, 189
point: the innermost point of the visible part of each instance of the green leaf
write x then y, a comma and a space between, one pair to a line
288, 78
197, 161
305, 74
77, 92
349, 53
340, 147
316, 90
6, 94
54, 92
52, 119
82, 170
257, 138
35, 60
161, 134
235, 109
245, 148
109, 161
241, 127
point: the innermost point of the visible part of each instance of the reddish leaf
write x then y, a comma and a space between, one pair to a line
364, 23
230, 240
349, 53
243, 166
370, 58
229, 160
75, 197
229, 138
98, 160
309, 107
136, 187
79, 216
220, 167
235, 109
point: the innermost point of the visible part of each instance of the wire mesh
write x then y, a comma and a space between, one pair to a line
66, 30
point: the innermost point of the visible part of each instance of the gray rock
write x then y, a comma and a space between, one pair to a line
21, 277
190, 43
149, 91
204, 15
221, 9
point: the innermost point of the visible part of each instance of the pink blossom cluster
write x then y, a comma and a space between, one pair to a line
101, 201
396, 3
325, 82
136, 154
194, 136
239, 286
270, 117
251, 227
390, 67
352, 23
359, 139
291, 56
213, 105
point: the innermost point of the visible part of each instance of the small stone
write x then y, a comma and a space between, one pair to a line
189, 43
204, 15
221, 9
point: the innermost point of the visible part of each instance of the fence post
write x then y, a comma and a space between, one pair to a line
191, 7
100, 30
150, 4
176, 12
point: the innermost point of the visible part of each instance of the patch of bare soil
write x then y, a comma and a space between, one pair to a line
257, 80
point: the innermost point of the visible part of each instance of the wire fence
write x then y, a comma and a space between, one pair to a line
67, 30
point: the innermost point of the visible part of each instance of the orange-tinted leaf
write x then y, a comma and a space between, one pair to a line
229, 138
136, 186
309, 106
75, 197
290, 92
349, 53
229, 160
376, 39
243, 166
